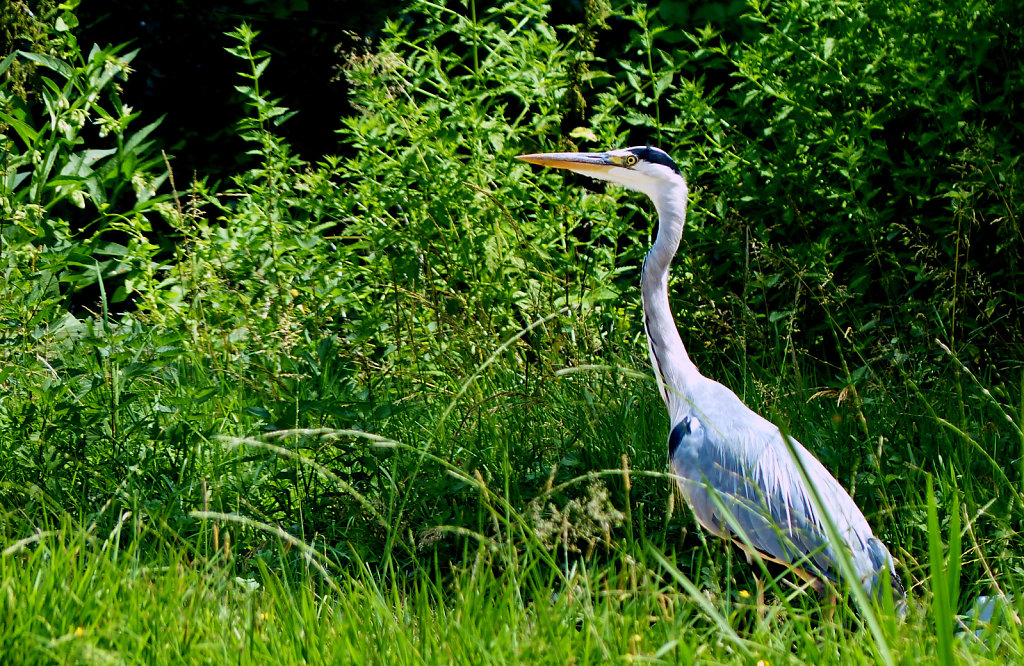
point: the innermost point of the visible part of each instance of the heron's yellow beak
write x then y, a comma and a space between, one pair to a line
586, 163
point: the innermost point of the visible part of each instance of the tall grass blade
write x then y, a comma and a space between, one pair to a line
954, 550
942, 611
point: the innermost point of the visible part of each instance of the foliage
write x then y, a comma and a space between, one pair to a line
20, 28
79, 184
118, 604
407, 385
865, 149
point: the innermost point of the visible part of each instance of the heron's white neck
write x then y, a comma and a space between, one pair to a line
673, 368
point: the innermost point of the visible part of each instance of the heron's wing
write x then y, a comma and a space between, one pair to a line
742, 473
729, 459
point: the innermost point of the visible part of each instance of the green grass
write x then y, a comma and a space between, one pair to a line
615, 578
71, 594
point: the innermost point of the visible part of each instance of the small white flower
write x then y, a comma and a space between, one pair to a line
77, 118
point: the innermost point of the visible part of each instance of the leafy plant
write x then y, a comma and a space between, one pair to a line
79, 183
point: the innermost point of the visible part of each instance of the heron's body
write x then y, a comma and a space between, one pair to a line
744, 458
735, 469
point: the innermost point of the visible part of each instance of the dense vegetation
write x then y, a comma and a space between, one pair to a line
394, 404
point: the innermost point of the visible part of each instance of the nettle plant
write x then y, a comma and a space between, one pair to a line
80, 181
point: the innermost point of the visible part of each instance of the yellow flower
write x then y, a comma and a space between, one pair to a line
744, 594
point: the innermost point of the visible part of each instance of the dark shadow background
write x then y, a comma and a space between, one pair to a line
183, 70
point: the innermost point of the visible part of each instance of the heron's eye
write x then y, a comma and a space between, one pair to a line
630, 160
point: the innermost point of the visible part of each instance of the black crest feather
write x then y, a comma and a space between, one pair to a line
655, 156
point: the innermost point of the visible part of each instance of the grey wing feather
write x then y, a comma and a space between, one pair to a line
785, 531
728, 457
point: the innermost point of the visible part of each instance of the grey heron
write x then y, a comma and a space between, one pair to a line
726, 458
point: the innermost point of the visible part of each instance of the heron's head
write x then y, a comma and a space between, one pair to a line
642, 168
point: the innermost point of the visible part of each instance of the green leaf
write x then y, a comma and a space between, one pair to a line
663, 83
131, 146
66, 21
259, 412
205, 394
49, 62
110, 248
6, 62
584, 133
27, 134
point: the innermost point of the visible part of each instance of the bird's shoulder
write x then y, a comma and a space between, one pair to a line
722, 415
715, 419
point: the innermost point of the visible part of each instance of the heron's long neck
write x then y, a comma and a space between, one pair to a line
672, 365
